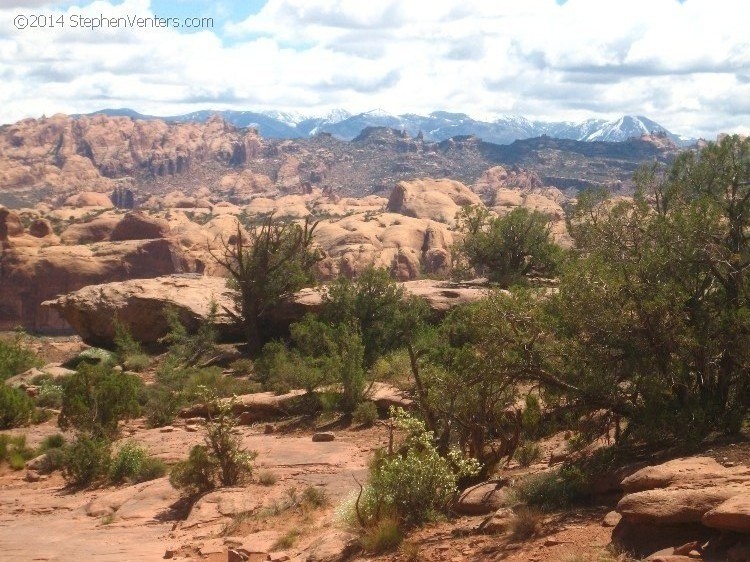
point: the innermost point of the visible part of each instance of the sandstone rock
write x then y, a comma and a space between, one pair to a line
32, 476
40, 228
31, 276
481, 499
10, 224
671, 506
680, 471
137, 226
89, 199
438, 200
498, 522
95, 230
611, 519
323, 436
333, 546
731, 515
139, 304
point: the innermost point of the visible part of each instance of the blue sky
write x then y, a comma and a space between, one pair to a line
684, 64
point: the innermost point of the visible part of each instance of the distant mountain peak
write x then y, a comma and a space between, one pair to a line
436, 126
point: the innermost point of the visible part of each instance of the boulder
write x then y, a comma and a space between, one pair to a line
10, 224
89, 199
438, 200
672, 506
41, 228
33, 275
482, 499
691, 470
498, 522
323, 436
95, 230
731, 515
139, 304
137, 226
333, 546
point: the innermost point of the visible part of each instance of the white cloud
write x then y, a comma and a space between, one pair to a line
685, 65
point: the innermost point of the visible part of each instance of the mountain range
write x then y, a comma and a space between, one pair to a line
437, 126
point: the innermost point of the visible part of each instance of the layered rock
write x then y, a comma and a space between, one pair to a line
30, 275
139, 304
438, 200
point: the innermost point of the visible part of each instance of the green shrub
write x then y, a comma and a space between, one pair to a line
222, 460
195, 475
151, 469
16, 408
314, 496
96, 398
162, 405
286, 542
416, 483
86, 461
365, 414
528, 454
384, 536
92, 356
126, 463
531, 417
50, 395
17, 461
136, 362
55, 441
15, 356
14, 446
242, 366
554, 489
53, 459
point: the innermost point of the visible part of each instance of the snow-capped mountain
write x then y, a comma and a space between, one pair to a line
436, 126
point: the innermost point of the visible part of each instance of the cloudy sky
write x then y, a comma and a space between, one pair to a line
685, 64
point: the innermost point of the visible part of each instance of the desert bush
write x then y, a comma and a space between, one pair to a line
195, 475
15, 356
267, 478
14, 450
188, 349
365, 414
314, 497
128, 351
525, 523
243, 366
528, 453
53, 459
126, 463
86, 460
222, 461
55, 441
416, 483
286, 541
50, 394
16, 408
554, 489
531, 417
151, 469
96, 398
384, 536
162, 405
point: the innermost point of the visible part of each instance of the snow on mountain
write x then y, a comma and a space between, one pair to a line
436, 126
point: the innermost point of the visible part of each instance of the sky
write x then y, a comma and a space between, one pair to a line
684, 64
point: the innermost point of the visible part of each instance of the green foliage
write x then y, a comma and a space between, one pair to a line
197, 474
267, 263
365, 414
132, 463
50, 393
416, 483
555, 489
384, 536
86, 461
53, 459
128, 351
377, 304
286, 541
186, 349
14, 450
531, 417
96, 398
508, 249
55, 441
528, 454
15, 356
92, 356
222, 461
16, 408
